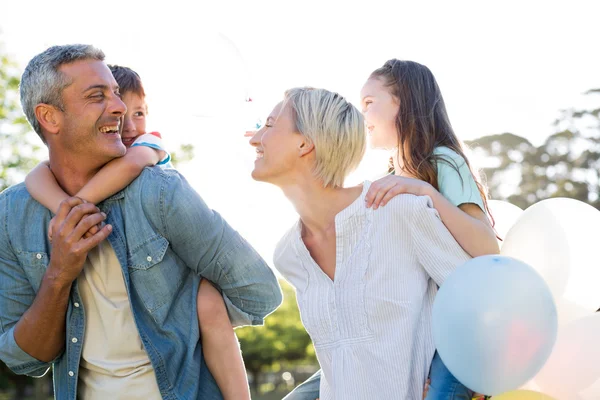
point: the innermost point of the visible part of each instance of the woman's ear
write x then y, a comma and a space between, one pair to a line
49, 117
305, 147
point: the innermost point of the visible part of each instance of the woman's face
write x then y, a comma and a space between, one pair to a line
380, 109
278, 147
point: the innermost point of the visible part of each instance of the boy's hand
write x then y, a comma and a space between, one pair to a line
51, 228
384, 189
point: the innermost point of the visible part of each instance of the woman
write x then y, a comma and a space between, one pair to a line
365, 278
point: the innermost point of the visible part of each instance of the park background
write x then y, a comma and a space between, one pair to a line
521, 81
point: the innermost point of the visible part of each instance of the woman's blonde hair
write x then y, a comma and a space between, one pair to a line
335, 128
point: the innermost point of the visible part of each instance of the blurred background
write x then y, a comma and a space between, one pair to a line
520, 81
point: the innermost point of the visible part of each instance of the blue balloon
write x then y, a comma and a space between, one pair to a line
494, 324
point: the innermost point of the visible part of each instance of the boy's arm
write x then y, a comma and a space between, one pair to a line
119, 173
42, 186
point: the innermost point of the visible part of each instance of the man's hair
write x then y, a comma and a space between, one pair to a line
334, 126
42, 82
128, 80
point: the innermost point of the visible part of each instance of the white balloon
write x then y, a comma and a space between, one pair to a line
573, 369
494, 323
558, 238
505, 215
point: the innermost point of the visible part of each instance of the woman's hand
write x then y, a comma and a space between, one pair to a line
382, 190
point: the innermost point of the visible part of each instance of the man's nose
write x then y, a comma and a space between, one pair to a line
117, 107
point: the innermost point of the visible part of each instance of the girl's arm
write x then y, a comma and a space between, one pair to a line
42, 186
467, 223
119, 173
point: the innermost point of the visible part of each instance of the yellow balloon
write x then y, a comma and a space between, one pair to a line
522, 395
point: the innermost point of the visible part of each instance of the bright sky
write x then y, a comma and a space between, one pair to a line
509, 66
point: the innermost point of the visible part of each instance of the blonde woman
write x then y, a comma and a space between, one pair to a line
365, 278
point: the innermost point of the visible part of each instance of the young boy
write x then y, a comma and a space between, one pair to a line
219, 343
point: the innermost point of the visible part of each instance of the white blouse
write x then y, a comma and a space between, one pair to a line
371, 325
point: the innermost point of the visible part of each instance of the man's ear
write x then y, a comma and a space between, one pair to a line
305, 147
49, 117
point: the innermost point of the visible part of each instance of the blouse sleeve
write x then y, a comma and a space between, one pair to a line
437, 250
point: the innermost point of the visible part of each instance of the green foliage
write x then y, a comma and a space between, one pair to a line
282, 341
565, 165
184, 154
18, 151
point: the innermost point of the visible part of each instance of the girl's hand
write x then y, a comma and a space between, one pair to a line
382, 190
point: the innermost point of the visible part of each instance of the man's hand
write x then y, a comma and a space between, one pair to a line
69, 242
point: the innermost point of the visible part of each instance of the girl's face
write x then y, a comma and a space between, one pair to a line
278, 146
380, 109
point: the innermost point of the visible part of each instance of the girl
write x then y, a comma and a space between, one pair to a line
404, 111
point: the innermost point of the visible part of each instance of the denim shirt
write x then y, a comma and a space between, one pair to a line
165, 238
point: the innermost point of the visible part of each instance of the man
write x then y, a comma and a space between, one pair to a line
126, 326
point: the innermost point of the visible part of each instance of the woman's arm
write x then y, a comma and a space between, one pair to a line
42, 186
467, 223
119, 173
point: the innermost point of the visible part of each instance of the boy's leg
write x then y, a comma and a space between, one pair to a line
308, 390
220, 345
443, 385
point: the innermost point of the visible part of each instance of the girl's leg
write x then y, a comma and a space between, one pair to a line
443, 385
220, 345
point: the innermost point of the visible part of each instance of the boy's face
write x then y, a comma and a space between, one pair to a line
134, 121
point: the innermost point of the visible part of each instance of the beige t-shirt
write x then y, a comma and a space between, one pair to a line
114, 364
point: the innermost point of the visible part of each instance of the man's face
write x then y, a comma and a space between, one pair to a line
92, 113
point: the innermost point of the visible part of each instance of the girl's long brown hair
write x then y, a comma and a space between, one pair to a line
422, 122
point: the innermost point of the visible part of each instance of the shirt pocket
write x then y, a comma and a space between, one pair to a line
34, 264
148, 254
154, 274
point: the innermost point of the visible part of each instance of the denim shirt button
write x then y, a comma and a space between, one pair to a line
149, 258
71, 373
38, 256
74, 340
76, 305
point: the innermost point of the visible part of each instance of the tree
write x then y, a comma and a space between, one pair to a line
281, 341
18, 154
18, 151
565, 165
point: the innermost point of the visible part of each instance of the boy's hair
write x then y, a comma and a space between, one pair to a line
128, 80
42, 82
334, 126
